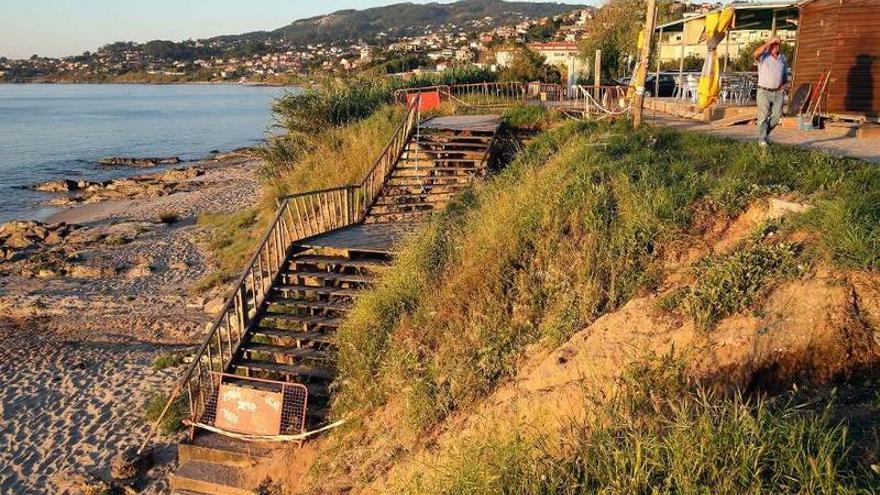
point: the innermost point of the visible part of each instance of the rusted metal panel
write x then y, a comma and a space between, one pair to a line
249, 411
842, 36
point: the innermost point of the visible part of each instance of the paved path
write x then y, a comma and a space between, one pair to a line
835, 140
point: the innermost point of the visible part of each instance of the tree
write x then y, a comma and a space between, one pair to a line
544, 31
746, 62
614, 29
528, 65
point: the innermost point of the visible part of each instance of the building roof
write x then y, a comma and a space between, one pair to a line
554, 46
749, 16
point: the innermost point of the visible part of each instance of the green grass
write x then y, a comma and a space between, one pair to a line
729, 283
567, 233
660, 433
337, 102
232, 238
166, 360
173, 420
531, 117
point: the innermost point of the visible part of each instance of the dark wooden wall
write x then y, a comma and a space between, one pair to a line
844, 36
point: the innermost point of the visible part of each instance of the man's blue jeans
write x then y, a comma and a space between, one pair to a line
769, 111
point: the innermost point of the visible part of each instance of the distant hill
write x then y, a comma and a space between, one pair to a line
404, 18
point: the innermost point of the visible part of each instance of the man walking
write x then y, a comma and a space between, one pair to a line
772, 81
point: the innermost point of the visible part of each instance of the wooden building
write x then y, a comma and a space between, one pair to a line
842, 36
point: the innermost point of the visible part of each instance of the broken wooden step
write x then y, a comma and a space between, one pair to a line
355, 278
453, 144
317, 390
310, 320
317, 336
278, 302
296, 370
467, 169
305, 353
213, 447
340, 261
321, 290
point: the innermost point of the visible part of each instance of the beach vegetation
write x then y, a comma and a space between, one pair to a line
232, 238
579, 224
165, 360
660, 433
173, 419
728, 283
336, 102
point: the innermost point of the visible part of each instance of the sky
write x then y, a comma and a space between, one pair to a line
56, 28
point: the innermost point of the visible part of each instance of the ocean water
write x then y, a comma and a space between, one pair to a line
52, 132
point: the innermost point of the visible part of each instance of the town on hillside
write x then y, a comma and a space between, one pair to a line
482, 42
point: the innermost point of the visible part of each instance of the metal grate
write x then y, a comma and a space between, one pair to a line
294, 397
293, 408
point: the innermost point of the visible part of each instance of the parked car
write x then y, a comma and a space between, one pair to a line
667, 84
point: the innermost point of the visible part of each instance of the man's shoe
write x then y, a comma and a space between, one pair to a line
762, 143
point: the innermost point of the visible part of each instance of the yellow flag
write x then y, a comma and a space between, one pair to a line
709, 85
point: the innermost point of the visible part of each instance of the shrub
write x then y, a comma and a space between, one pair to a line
728, 283
173, 419
335, 102
232, 238
165, 360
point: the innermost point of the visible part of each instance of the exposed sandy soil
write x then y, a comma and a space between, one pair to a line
77, 344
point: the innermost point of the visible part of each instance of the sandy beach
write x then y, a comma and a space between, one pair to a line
81, 322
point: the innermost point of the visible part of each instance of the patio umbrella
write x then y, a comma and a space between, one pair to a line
717, 25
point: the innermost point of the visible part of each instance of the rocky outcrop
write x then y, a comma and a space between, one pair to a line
154, 185
18, 237
146, 162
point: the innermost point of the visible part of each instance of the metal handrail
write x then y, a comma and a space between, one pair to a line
602, 100
299, 216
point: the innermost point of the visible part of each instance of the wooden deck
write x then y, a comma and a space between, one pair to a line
474, 123
369, 238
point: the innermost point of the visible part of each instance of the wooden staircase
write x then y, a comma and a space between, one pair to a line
436, 164
289, 338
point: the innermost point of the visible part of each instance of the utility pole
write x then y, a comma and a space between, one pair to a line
642, 72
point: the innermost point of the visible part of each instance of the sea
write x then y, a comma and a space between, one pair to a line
50, 132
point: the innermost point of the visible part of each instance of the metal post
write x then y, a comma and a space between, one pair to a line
641, 74
681, 66
657, 73
773, 24
727, 49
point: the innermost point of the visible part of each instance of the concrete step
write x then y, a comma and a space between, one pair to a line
211, 479
211, 447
